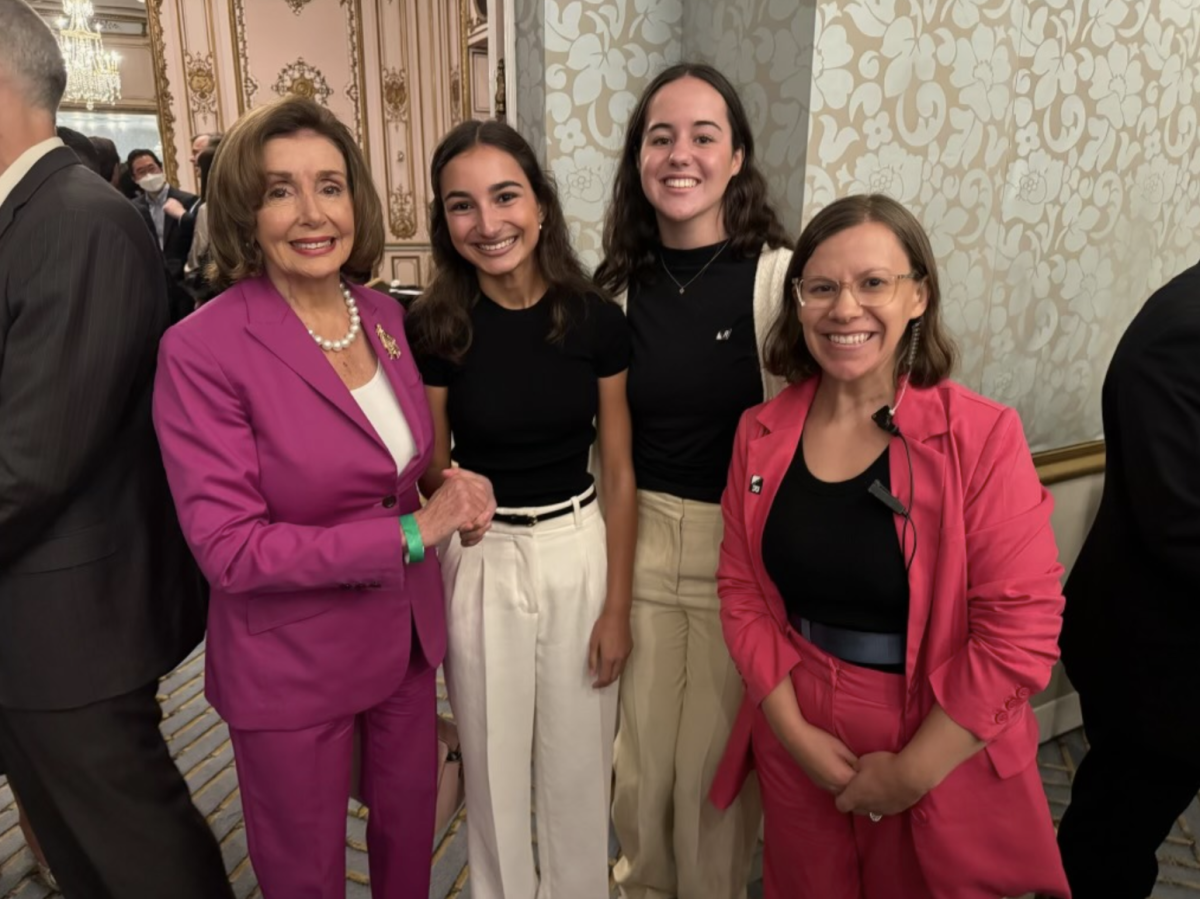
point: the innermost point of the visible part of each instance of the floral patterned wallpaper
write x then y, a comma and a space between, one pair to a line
765, 48
581, 66
1049, 147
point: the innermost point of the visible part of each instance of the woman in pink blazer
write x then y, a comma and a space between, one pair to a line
294, 426
889, 591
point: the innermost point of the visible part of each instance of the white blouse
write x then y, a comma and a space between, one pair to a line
378, 402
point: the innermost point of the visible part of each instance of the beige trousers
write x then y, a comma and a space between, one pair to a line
520, 610
680, 694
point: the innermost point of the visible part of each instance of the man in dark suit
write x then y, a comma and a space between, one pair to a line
165, 210
1132, 623
98, 595
162, 207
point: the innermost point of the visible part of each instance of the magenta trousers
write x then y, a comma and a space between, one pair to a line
295, 786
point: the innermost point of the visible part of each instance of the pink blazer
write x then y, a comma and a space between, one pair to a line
290, 501
984, 618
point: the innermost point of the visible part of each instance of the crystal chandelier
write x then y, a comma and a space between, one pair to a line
93, 74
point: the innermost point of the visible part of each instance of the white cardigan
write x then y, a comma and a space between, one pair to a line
768, 294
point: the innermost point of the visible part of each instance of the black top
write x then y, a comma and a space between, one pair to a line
695, 369
833, 552
522, 408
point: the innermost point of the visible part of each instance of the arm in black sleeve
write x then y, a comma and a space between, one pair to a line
86, 311
1158, 417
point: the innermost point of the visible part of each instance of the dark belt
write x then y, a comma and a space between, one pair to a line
531, 520
858, 647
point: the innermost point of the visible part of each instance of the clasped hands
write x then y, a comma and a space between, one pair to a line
878, 783
464, 503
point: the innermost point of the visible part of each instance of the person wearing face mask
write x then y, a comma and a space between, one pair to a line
163, 207
889, 591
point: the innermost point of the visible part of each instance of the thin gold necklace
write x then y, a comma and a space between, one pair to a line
703, 268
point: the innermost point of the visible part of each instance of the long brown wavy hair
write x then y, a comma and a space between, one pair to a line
786, 353
631, 227
440, 320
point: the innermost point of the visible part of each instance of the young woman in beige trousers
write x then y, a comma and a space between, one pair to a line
696, 255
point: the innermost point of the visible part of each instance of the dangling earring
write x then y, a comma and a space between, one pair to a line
539, 226
913, 340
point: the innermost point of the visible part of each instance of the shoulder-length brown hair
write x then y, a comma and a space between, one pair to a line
238, 184
440, 321
631, 227
786, 353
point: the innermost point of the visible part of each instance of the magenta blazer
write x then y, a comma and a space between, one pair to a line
290, 503
984, 617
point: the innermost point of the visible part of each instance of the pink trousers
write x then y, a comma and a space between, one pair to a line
810, 848
295, 786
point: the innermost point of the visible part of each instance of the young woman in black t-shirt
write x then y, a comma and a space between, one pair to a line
524, 363
698, 256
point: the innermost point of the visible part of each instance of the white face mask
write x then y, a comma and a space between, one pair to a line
152, 184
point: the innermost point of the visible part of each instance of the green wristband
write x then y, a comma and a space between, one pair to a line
414, 548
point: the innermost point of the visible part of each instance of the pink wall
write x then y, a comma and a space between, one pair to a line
390, 69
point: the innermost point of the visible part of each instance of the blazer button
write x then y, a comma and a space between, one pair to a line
1011, 704
1001, 717
1023, 693
389, 501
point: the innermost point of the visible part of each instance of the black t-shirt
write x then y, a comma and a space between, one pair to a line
832, 550
695, 370
522, 408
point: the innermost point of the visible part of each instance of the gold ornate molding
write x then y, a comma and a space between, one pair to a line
395, 101
247, 87
201, 83
303, 80
162, 89
457, 94
297, 6
464, 80
501, 96
357, 91
395, 95
1070, 462
402, 213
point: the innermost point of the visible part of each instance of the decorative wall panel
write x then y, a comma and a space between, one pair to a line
316, 52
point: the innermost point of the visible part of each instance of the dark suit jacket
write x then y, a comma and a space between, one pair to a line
177, 235
1132, 623
98, 595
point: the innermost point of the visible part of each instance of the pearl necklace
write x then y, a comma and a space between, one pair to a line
355, 322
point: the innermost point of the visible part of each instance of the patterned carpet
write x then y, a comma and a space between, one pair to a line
199, 742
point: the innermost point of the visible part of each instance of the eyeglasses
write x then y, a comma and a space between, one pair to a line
877, 289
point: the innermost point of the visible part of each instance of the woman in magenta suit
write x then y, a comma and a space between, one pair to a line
889, 591
294, 426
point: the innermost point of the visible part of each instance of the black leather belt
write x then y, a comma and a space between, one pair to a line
858, 647
531, 520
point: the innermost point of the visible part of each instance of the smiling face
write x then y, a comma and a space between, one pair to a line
851, 342
686, 162
305, 225
491, 212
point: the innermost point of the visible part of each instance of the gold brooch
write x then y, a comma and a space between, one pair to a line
388, 341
